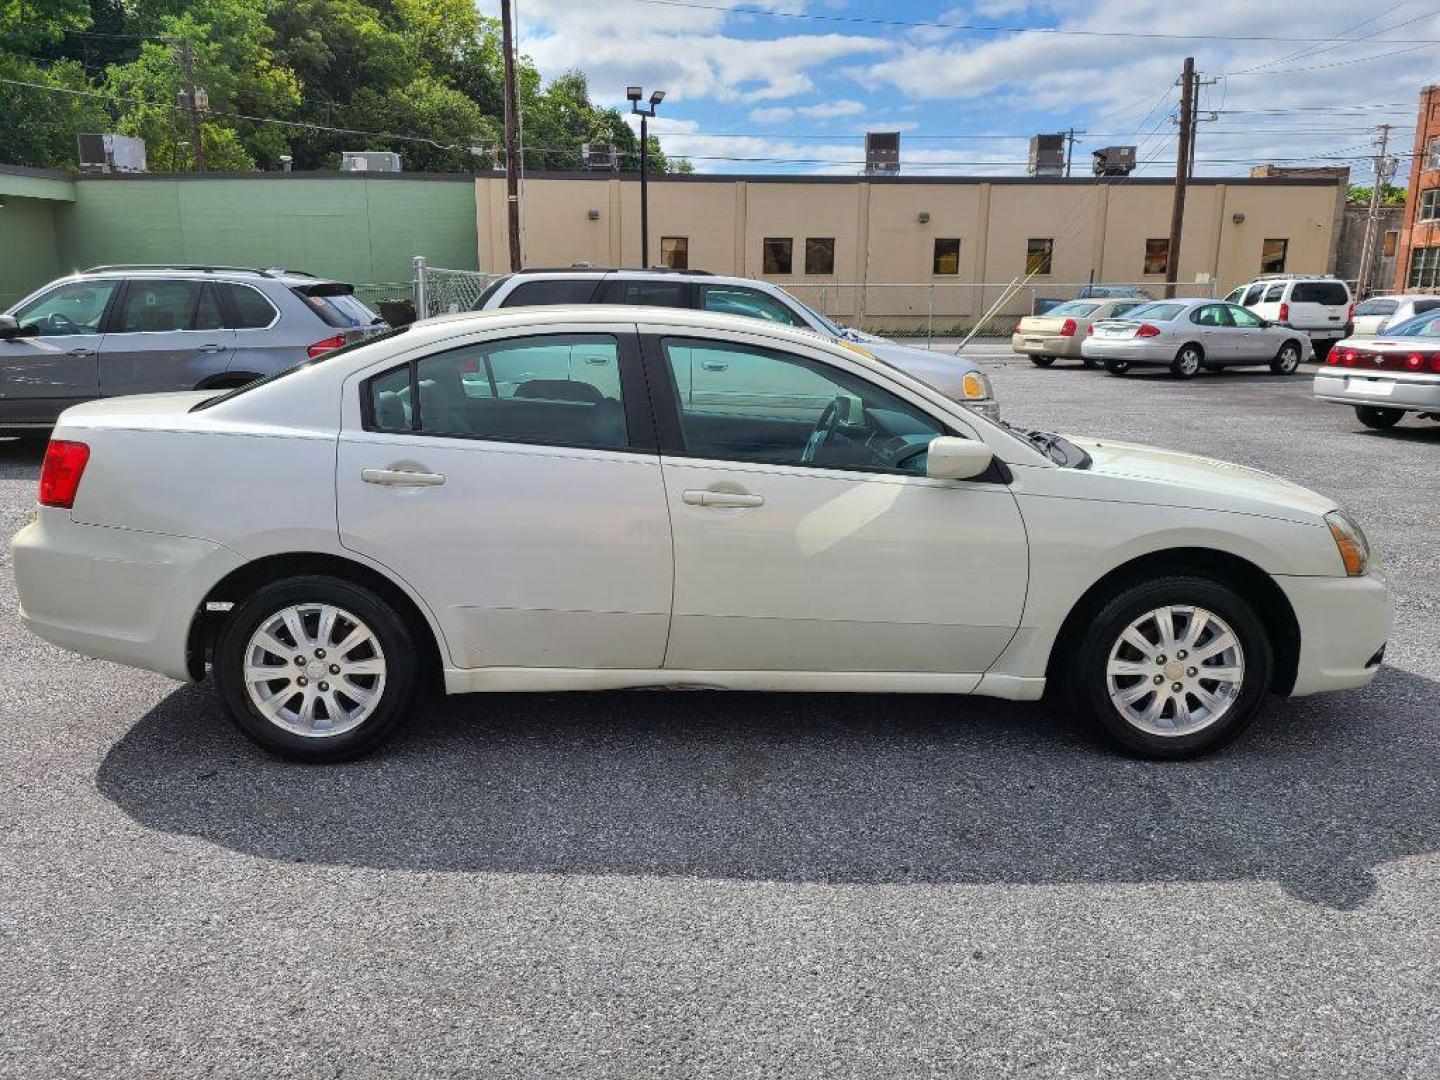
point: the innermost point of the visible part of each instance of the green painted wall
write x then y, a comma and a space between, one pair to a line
357, 229
29, 251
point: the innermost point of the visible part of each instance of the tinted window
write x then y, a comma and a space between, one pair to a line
820, 255
551, 291
557, 389
1320, 292
250, 310
154, 307
209, 315
1155, 312
1253, 296
489, 291
336, 309
734, 300
653, 293
1211, 315
1422, 306
1275, 293
742, 403
776, 253
1381, 307
71, 309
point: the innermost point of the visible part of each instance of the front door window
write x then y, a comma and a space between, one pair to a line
71, 309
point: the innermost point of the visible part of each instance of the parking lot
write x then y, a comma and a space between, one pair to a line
692, 884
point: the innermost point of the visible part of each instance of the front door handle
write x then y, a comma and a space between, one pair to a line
714, 365
81, 352
212, 348
695, 497
402, 478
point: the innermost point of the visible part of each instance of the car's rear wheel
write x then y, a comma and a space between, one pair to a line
316, 669
1171, 668
1373, 416
1187, 362
1117, 367
1042, 361
1287, 359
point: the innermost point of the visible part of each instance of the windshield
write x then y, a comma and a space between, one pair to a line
1155, 312
1074, 307
1377, 307
273, 376
1427, 325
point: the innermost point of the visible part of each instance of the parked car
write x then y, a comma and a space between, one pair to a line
1112, 292
548, 499
658, 287
1059, 332
1374, 315
1187, 335
1320, 306
115, 330
1385, 377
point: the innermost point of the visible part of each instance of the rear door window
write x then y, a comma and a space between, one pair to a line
1275, 293
249, 309
651, 293
548, 291
750, 303
1253, 295
157, 307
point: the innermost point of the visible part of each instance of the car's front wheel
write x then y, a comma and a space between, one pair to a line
1287, 359
316, 668
1373, 416
1171, 668
1042, 361
1117, 367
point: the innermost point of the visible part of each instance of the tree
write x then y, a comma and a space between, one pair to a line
41, 123
1390, 196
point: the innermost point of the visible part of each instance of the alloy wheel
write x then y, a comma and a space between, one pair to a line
1175, 670
1288, 360
314, 670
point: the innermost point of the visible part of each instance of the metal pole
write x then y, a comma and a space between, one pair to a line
1372, 219
930, 315
1005, 294
422, 288
512, 178
644, 195
187, 63
1182, 174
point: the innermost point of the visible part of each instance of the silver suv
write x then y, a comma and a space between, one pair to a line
114, 330
956, 377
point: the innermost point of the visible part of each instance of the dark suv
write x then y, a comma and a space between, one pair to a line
114, 330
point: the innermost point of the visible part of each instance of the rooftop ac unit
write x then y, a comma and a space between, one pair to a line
1114, 161
369, 161
882, 152
1047, 155
111, 153
600, 155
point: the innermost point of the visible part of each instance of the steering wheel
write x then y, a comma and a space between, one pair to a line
824, 428
60, 323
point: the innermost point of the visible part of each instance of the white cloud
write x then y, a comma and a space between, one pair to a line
825, 110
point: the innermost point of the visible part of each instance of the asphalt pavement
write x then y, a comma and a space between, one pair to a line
702, 885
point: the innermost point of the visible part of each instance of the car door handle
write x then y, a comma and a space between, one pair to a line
714, 365
81, 352
695, 497
212, 348
599, 361
402, 478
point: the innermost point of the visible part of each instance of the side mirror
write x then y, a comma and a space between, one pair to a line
9, 328
950, 458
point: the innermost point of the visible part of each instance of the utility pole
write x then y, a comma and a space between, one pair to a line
192, 106
1070, 148
1182, 174
512, 177
1383, 166
1196, 119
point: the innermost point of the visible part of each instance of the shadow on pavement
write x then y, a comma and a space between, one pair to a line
810, 788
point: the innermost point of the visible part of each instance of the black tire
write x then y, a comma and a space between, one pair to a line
1117, 367
1187, 362
1042, 361
1287, 360
1090, 364
1085, 679
1322, 348
1374, 416
396, 647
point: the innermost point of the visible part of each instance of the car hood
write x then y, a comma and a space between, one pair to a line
1202, 481
941, 370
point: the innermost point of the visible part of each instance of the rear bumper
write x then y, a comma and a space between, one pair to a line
1045, 344
114, 594
1135, 350
1390, 391
1344, 623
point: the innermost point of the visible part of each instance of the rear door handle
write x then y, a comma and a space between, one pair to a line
402, 478
212, 348
695, 497
81, 352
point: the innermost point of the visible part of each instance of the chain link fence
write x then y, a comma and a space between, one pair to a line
439, 291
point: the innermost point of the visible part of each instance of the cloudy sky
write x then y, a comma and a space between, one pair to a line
792, 85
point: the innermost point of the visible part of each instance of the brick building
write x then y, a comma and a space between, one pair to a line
1418, 263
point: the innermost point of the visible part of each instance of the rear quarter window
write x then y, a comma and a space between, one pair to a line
337, 309
551, 291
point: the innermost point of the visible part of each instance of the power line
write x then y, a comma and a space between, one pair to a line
1341, 38
988, 28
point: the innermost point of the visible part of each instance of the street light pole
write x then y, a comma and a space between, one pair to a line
634, 94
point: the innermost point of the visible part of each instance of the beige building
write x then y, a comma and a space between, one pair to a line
836, 234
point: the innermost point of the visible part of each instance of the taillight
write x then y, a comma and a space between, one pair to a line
1284, 313
1414, 361
1348, 357
1333, 356
1435, 362
1090, 330
1067, 328
60, 475
1146, 330
320, 348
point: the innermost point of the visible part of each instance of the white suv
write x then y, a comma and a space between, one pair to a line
1319, 305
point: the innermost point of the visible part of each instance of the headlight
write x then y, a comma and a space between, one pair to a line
976, 387
1350, 540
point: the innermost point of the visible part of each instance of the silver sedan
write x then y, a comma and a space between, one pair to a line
1187, 335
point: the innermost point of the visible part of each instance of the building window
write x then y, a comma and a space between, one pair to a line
820, 255
1424, 267
1157, 256
1432, 153
1429, 205
947, 256
675, 252
1037, 255
777, 251
1392, 241
1272, 256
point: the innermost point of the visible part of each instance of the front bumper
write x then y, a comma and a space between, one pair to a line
1045, 344
1344, 623
1392, 390
114, 594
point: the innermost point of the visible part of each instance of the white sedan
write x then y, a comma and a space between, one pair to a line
1187, 335
548, 499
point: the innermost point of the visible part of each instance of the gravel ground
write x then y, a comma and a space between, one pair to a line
697, 885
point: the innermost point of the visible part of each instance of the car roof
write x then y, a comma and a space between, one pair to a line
228, 273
